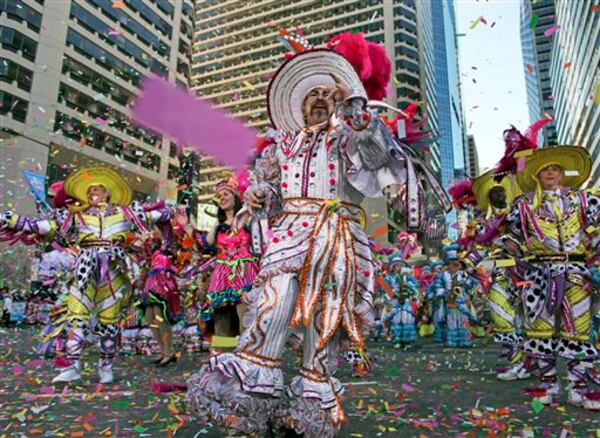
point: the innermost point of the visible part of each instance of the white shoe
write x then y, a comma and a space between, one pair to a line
69, 374
577, 398
105, 372
517, 372
552, 392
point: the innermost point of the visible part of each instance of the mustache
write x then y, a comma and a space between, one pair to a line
319, 103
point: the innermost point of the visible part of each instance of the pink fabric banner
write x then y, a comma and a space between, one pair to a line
172, 111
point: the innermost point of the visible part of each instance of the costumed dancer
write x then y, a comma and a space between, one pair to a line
436, 300
317, 269
550, 230
403, 305
455, 286
235, 265
98, 225
159, 300
494, 201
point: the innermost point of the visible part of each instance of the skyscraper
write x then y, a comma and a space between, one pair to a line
537, 26
443, 100
473, 157
70, 70
575, 75
236, 51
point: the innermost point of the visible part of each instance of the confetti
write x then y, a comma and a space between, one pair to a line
551, 30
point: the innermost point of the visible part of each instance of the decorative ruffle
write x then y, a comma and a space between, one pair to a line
235, 394
312, 408
217, 299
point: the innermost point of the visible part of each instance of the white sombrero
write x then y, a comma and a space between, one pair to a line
300, 74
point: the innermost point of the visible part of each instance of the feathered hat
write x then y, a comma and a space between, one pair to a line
362, 66
462, 194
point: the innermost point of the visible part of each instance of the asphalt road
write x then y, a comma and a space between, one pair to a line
424, 392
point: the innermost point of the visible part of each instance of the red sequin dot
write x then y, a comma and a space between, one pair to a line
284, 184
367, 274
305, 224
332, 181
349, 122
331, 166
290, 233
365, 116
275, 239
297, 175
312, 174
285, 167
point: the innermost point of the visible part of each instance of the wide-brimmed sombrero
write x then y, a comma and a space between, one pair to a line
300, 74
485, 182
574, 160
78, 183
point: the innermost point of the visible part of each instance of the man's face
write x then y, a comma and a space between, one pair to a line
318, 105
97, 196
550, 176
397, 268
497, 196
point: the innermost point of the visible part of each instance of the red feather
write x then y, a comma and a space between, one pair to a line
462, 193
375, 85
355, 48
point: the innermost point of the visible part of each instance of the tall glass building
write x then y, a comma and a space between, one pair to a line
70, 70
536, 20
575, 75
445, 102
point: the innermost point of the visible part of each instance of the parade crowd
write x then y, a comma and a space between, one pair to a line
288, 263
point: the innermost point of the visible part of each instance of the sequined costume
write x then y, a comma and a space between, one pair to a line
235, 270
555, 239
102, 282
160, 287
401, 310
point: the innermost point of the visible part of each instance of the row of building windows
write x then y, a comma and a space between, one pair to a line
19, 11
88, 135
97, 26
11, 72
99, 83
128, 23
150, 17
102, 57
13, 105
113, 118
16, 42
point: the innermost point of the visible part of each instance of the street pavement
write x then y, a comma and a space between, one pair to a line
427, 391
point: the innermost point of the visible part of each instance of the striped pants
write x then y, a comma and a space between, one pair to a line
104, 298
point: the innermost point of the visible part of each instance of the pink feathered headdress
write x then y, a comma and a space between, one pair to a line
462, 194
370, 60
515, 142
60, 200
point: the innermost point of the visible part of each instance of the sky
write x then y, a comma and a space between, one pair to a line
492, 76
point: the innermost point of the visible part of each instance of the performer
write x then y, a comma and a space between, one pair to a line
97, 225
317, 269
493, 200
159, 301
235, 266
403, 305
550, 229
455, 286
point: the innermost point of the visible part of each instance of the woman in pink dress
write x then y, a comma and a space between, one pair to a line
160, 299
235, 266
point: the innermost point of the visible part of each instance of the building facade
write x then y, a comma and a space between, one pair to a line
236, 51
474, 170
574, 76
537, 36
70, 71
443, 99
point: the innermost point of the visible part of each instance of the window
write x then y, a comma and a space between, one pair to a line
94, 25
102, 57
12, 72
165, 6
150, 16
133, 26
15, 106
19, 11
17, 42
